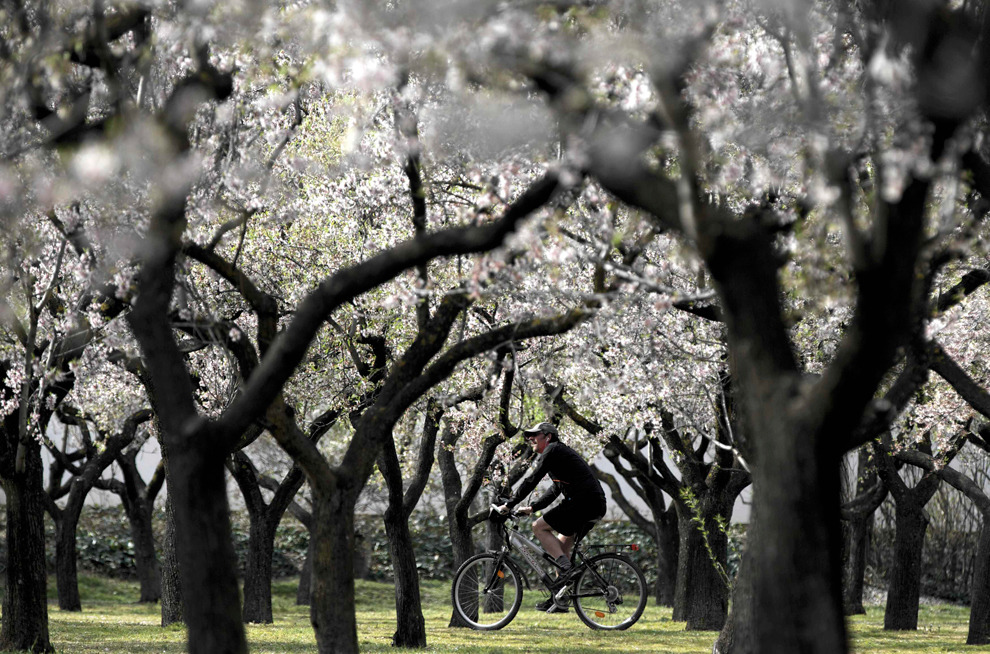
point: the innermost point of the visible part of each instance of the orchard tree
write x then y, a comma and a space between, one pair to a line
85, 466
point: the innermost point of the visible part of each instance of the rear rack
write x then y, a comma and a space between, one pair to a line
614, 546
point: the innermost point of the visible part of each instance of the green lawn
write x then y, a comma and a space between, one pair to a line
112, 623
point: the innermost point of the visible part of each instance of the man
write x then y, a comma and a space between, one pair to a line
584, 499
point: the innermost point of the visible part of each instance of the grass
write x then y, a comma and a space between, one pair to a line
111, 622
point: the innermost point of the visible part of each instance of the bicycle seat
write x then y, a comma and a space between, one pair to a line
583, 531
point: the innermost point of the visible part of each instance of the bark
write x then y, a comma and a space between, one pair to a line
410, 629
979, 607
67, 519
737, 635
667, 541
410, 625
332, 609
796, 550
306, 576
25, 605
854, 567
911, 523
139, 506
458, 527
979, 616
904, 590
258, 572
66, 575
702, 594
207, 564
173, 608
858, 515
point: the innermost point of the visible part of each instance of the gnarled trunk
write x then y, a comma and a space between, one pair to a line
904, 590
737, 635
332, 610
410, 628
205, 549
796, 552
25, 604
702, 594
66, 574
145, 557
854, 565
258, 573
667, 541
306, 576
139, 510
979, 606
172, 605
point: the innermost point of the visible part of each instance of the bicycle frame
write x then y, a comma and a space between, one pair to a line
532, 553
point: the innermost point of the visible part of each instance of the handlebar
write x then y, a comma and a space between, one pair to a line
495, 514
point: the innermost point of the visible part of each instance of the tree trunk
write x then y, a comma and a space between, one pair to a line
410, 628
979, 606
797, 549
172, 605
205, 550
904, 590
702, 595
258, 573
145, 558
66, 575
25, 603
332, 609
306, 575
668, 545
139, 511
463, 547
458, 529
854, 566
738, 635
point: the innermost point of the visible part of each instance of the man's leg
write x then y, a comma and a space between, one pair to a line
566, 544
547, 538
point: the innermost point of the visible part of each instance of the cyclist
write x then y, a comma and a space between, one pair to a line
584, 499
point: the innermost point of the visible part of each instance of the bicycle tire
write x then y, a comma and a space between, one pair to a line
610, 594
491, 609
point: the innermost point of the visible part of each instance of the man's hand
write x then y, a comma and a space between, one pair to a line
524, 510
502, 509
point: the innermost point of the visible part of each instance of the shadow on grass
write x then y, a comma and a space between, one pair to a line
112, 622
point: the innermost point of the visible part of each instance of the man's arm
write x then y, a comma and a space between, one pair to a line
544, 500
531, 480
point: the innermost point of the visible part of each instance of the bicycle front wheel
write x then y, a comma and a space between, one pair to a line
610, 593
486, 594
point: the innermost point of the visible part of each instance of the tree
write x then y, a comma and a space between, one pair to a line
911, 522
40, 346
98, 455
858, 515
138, 498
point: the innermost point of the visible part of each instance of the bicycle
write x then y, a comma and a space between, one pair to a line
608, 590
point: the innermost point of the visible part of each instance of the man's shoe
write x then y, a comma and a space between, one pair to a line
549, 606
561, 581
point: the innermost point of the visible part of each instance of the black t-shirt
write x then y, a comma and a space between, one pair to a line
571, 476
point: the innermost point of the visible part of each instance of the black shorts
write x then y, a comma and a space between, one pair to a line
572, 514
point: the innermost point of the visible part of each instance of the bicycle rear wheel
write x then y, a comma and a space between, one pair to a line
610, 593
486, 597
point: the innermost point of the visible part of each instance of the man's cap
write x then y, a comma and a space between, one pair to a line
542, 428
